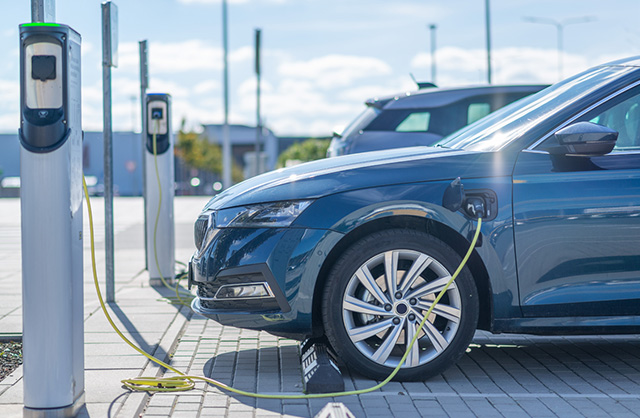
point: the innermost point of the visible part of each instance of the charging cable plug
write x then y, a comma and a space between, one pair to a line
474, 206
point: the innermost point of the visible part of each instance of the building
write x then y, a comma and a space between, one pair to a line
127, 163
243, 143
127, 160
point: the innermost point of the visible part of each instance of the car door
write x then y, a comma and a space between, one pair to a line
577, 221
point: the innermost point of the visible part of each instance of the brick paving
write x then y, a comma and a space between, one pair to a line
500, 376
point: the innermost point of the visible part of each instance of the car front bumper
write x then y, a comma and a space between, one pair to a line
285, 262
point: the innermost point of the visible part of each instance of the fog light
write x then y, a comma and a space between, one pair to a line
244, 291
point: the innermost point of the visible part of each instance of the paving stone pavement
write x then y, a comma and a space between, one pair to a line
500, 375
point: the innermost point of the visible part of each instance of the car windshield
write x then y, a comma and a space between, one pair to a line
507, 124
361, 121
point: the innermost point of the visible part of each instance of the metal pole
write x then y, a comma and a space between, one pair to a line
226, 142
108, 155
43, 11
488, 30
144, 83
432, 28
258, 124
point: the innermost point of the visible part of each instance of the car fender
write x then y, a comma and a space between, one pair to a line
362, 211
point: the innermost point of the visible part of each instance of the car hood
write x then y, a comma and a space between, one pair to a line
358, 171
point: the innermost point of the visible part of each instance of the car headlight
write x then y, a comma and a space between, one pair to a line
204, 228
276, 214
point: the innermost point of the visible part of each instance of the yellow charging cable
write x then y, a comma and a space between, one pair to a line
184, 382
178, 299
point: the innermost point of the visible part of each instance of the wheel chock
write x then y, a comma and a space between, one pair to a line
320, 374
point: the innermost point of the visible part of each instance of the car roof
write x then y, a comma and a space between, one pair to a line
625, 62
436, 97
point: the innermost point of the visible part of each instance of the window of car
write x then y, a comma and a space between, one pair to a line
415, 122
623, 117
361, 122
503, 126
477, 111
621, 113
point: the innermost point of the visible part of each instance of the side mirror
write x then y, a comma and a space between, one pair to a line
584, 139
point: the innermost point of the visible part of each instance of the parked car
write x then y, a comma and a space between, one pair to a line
355, 248
421, 118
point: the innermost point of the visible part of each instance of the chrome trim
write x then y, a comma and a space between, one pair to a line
265, 284
535, 151
614, 152
590, 108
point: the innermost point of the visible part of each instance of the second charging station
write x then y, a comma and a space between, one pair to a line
159, 188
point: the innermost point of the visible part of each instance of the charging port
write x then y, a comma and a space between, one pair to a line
156, 113
481, 203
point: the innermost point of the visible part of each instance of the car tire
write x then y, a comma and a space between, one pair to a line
368, 319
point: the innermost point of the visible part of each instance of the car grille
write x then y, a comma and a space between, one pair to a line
200, 229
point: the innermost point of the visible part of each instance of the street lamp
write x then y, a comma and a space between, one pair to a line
487, 24
560, 28
432, 29
226, 140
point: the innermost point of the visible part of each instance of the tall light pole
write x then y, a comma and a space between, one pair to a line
560, 32
258, 33
226, 141
487, 19
432, 29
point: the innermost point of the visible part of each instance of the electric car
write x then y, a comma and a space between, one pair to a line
355, 249
423, 117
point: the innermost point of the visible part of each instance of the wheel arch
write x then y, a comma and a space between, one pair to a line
432, 227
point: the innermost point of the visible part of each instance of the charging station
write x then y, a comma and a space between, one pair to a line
51, 208
159, 187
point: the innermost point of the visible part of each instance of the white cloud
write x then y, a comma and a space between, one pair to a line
162, 85
457, 66
172, 57
313, 97
368, 91
88, 47
335, 70
295, 106
178, 57
206, 86
245, 53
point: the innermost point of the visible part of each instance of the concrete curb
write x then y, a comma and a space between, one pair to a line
10, 336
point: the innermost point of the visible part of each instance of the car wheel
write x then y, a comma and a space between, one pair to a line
378, 292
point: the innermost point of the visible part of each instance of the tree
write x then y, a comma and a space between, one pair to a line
196, 150
309, 150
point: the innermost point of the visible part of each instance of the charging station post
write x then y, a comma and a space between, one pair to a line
160, 189
51, 208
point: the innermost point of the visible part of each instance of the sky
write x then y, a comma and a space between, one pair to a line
321, 59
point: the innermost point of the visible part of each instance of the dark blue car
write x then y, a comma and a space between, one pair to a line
355, 248
422, 117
